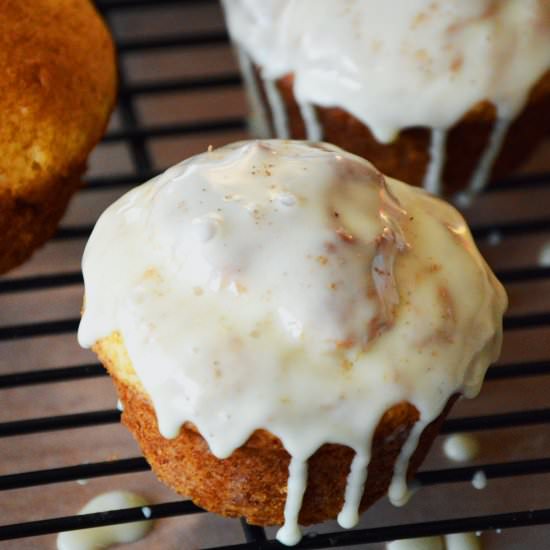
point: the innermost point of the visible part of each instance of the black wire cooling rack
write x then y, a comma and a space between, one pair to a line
136, 135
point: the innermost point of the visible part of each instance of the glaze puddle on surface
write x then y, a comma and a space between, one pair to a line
99, 538
265, 249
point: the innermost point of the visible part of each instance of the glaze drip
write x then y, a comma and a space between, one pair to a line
278, 109
99, 538
349, 515
433, 182
402, 64
314, 131
258, 120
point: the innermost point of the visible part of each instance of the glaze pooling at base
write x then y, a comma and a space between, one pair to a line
98, 538
298, 289
461, 447
289, 533
433, 178
398, 492
349, 515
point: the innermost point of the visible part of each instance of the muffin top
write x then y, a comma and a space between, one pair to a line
290, 287
284, 281
399, 63
57, 90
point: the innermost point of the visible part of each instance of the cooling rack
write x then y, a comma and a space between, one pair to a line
179, 92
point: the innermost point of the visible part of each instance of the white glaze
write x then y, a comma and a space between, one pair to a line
479, 481
258, 121
278, 109
104, 537
349, 515
485, 164
402, 64
461, 447
432, 179
421, 543
325, 296
462, 541
290, 533
399, 64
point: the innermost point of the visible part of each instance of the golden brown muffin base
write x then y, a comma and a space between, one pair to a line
58, 87
252, 482
407, 157
26, 224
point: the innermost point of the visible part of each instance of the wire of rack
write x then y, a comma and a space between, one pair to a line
136, 136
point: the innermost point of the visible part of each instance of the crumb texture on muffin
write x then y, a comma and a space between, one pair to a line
399, 83
274, 301
58, 87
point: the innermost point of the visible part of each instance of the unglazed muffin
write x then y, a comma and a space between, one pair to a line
278, 318
440, 93
58, 87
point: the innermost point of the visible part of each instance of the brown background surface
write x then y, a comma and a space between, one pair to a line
69, 447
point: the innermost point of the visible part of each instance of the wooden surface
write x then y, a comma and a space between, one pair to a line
69, 447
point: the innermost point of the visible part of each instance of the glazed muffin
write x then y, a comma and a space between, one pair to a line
287, 328
441, 93
58, 81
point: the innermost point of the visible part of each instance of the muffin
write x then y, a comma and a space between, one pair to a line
280, 319
58, 75
445, 93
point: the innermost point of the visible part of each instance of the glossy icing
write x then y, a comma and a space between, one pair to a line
299, 290
432, 177
258, 120
399, 64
